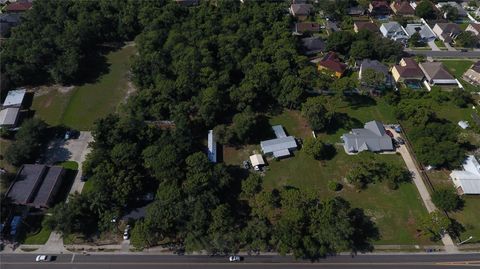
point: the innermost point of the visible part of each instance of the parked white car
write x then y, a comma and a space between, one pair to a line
43, 258
234, 258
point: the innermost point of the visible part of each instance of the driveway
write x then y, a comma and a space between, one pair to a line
449, 47
433, 46
422, 188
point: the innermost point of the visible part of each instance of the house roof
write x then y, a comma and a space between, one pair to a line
469, 177
435, 70
332, 62
475, 26
403, 8
366, 25
372, 138
476, 67
11, 18
18, 6
9, 115
14, 98
448, 27
212, 147
277, 144
301, 27
301, 9
278, 130
409, 69
392, 26
374, 65
357, 10
460, 9
35, 184
313, 44
380, 4
423, 30
257, 159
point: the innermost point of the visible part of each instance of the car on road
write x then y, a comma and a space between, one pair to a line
389, 133
234, 258
43, 258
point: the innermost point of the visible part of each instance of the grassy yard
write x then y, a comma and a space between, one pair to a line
396, 213
80, 106
457, 68
38, 238
293, 122
33, 232
469, 216
72, 165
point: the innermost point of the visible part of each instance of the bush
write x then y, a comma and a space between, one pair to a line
318, 150
334, 185
446, 199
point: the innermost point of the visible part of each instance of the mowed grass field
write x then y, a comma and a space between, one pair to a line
457, 68
79, 107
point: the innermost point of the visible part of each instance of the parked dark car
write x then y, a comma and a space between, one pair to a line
389, 133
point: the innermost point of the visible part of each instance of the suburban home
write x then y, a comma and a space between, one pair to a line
379, 8
365, 25
300, 11
9, 117
402, 8
356, 11
474, 28
306, 27
36, 185
394, 31
407, 71
331, 26
472, 75
279, 147
424, 31
376, 66
467, 181
435, 73
212, 147
447, 32
461, 11
372, 138
331, 63
14, 98
313, 45
18, 7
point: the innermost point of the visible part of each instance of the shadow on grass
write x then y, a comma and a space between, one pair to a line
343, 121
356, 101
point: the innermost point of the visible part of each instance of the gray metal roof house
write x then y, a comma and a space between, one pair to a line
9, 116
372, 138
280, 146
36, 185
14, 98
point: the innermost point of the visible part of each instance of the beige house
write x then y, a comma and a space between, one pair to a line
472, 75
407, 70
475, 29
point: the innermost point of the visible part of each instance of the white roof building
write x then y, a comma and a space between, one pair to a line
257, 160
14, 98
212, 147
280, 146
468, 179
9, 116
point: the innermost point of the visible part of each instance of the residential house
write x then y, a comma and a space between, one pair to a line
376, 66
331, 26
402, 8
474, 28
14, 98
279, 147
313, 45
300, 11
212, 147
393, 30
356, 11
461, 11
365, 25
435, 73
447, 32
472, 75
407, 71
379, 8
467, 181
306, 27
9, 117
36, 185
18, 7
370, 138
331, 63
424, 31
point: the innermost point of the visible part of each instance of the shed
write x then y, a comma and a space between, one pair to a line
463, 124
14, 98
257, 160
9, 116
279, 132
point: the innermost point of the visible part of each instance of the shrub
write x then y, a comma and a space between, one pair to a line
334, 185
446, 199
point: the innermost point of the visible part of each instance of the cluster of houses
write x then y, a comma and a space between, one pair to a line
11, 14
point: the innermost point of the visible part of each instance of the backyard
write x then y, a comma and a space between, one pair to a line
457, 68
78, 107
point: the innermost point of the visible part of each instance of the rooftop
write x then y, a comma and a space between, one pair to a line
435, 70
422, 29
277, 144
332, 62
18, 6
366, 25
469, 177
301, 9
408, 68
9, 116
14, 98
372, 138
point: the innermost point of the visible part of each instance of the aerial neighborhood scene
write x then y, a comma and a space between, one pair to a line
283, 133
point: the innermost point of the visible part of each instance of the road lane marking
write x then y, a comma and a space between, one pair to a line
73, 257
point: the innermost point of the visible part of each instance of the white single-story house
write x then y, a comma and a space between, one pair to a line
467, 181
279, 147
372, 138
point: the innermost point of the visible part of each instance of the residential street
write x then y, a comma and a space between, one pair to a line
422, 189
80, 261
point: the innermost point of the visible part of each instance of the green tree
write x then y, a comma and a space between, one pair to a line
317, 149
222, 231
446, 199
416, 40
29, 142
435, 224
141, 235
340, 41
317, 115
244, 124
251, 185
466, 39
361, 49
373, 79
425, 10
450, 13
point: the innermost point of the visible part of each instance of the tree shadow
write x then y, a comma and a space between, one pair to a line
94, 66
456, 229
343, 121
365, 231
356, 101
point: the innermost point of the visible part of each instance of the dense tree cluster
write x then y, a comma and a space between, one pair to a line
29, 142
446, 199
426, 10
57, 39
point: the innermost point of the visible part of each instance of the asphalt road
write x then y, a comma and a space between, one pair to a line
446, 54
79, 261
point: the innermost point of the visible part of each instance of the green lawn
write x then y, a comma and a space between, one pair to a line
457, 68
80, 107
38, 238
293, 122
440, 44
72, 165
396, 213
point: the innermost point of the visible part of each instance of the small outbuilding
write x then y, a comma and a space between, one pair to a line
257, 160
282, 146
9, 116
14, 98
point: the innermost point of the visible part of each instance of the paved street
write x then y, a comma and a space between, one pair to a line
79, 261
445, 53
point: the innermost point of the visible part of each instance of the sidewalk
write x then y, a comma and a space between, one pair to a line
450, 246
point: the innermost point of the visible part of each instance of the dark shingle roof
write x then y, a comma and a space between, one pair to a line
50, 182
332, 62
18, 7
366, 25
